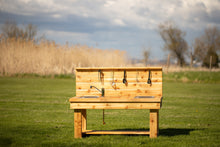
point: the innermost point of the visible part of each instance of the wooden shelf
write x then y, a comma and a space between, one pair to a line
115, 132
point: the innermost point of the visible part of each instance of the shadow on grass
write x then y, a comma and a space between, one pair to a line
174, 132
5, 141
162, 132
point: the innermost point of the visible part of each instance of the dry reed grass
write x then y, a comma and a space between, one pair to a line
45, 58
17, 56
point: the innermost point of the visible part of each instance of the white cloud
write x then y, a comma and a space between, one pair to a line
109, 3
139, 13
56, 16
118, 22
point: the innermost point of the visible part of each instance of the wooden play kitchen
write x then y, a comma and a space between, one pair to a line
117, 88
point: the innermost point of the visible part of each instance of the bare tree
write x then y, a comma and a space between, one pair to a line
31, 32
11, 30
208, 45
174, 41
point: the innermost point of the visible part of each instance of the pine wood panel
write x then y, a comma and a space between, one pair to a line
129, 92
96, 132
110, 105
120, 74
87, 69
154, 123
77, 123
118, 80
136, 77
114, 99
84, 117
118, 86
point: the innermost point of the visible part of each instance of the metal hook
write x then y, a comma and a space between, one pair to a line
149, 78
125, 78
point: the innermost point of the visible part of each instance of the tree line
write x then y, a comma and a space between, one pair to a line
205, 48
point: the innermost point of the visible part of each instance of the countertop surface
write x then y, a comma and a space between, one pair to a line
116, 99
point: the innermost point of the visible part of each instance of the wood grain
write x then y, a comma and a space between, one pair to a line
86, 69
136, 77
110, 105
117, 95
154, 123
77, 123
96, 132
84, 121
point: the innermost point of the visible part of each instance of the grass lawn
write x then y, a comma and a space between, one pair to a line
35, 112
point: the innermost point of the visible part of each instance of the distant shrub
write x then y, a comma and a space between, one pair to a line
214, 62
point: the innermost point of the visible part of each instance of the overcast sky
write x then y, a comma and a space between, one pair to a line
127, 25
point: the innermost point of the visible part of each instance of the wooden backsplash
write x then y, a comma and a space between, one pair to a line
103, 77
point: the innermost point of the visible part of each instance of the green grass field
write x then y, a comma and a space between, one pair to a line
35, 112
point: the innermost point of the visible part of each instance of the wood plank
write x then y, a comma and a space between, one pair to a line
123, 92
154, 123
115, 99
110, 105
120, 74
84, 121
116, 68
90, 79
115, 132
109, 80
118, 86
77, 123
117, 80
133, 87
